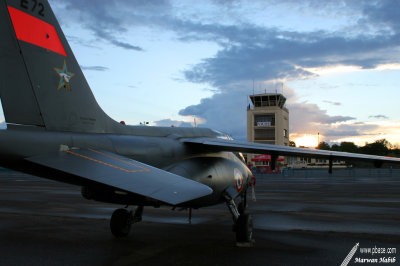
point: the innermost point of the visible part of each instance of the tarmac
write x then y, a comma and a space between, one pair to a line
300, 218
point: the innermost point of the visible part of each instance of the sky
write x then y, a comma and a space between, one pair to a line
185, 62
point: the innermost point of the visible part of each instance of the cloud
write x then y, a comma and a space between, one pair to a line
170, 122
109, 20
306, 117
126, 45
271, 52
225, 112
350, 129
249, 52
309, 118
333, 103
81, 41
94, 68
263, 53
372, 131
108, 35
383, 12
378, 116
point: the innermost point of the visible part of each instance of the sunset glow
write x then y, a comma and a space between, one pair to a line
330, 70
310, 141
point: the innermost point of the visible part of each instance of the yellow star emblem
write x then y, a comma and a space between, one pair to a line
65, 77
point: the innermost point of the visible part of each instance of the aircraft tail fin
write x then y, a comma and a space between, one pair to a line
41, 83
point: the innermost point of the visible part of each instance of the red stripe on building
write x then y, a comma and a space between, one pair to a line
35, 31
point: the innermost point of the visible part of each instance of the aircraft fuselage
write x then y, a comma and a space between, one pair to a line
168, 153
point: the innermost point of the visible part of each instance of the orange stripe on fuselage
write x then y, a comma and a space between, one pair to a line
35, 31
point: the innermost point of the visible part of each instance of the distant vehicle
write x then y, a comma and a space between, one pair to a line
56, 130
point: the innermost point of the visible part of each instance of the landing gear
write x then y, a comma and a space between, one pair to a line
243, 222
243, 203
122, 220
244, 229
120, 223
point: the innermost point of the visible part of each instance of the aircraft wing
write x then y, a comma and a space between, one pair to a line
124, 174
217, 144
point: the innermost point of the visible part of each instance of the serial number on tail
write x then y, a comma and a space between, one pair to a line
34, 6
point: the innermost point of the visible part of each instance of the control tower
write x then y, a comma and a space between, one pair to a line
268, 119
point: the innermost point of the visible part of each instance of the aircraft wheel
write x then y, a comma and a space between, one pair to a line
120, 223
244, 228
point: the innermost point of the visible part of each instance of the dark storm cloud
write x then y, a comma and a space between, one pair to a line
385, 12
262, 54
253, 52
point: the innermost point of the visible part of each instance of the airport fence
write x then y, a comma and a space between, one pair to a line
340, 172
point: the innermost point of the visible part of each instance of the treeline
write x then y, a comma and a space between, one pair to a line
380, 147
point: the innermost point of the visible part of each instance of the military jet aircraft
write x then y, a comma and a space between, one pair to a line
56, 129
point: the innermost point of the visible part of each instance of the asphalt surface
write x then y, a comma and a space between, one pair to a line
300, 219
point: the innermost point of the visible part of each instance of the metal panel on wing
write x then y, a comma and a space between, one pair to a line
125, 174
217, 144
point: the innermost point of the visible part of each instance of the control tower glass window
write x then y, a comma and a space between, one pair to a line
264, 120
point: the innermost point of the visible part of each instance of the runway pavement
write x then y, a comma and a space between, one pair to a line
299, 220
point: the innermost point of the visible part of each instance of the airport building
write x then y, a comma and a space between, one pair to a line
267, 123
268, 119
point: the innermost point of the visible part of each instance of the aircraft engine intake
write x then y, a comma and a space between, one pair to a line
221, 173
